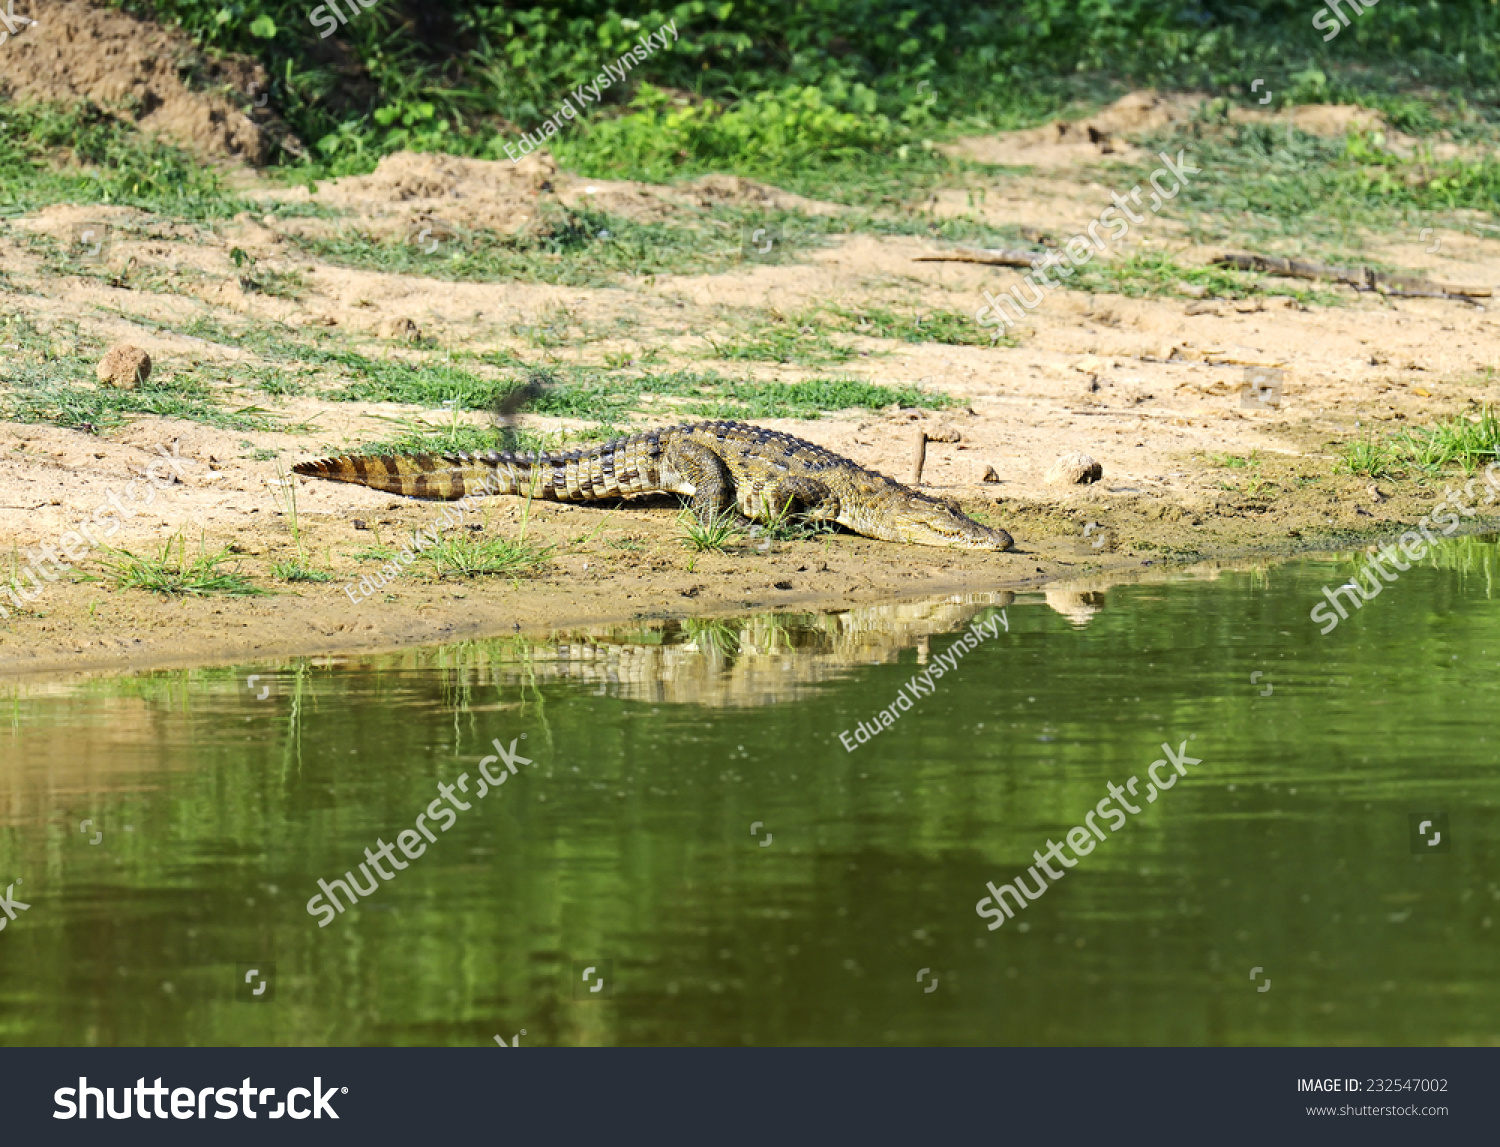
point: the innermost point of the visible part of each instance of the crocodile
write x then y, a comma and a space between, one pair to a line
732, 469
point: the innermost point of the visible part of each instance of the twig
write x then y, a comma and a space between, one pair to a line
1000, 258
1360, 278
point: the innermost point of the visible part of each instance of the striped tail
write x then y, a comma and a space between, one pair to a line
613, 469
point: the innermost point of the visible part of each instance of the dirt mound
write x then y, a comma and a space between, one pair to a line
1068, 143
78, 52
411, 188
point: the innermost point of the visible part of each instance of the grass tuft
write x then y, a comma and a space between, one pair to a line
200, 577
469, 555
713, 535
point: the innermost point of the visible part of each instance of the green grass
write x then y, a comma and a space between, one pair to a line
465, 554
747, 398
295, 571
1291, 192
1366, 457
919, 325
1232, 461
109, 163
573, 248
609, 399
784, 526
203, 576
1465, 441
57, 395
783, 339
711, 536
468, 438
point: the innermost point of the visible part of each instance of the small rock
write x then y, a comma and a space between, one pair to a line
1206, 307
1089, 364
1074, 470
1376, 494
990, 475
124, 367
943, 432
400, 327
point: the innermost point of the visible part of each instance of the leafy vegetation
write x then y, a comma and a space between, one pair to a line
825, 89
712, 536
463, 554
1464, 441
200, 577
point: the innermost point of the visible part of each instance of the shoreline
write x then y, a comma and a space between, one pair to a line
218, 632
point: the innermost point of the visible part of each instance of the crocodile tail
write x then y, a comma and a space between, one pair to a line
444, 477
611, 469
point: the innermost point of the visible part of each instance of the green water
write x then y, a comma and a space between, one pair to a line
693, 828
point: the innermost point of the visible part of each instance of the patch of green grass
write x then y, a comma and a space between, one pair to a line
575, 248
1463, 440
1156, 274
920, 325
469, 438
83, 154
200, 577
713, 535
419, 381
1467, 441
35, 393
1313, 197
1367, 457
781, 525
465, 554
799, 340
296, 571
736, 399
375, 553
1232, 461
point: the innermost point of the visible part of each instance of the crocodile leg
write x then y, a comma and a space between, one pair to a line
713, 487
804, 497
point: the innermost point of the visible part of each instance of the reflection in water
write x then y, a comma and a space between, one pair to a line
693, 825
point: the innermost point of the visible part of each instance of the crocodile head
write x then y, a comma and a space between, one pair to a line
919, 520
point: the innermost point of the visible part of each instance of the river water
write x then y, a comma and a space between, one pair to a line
688, 853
